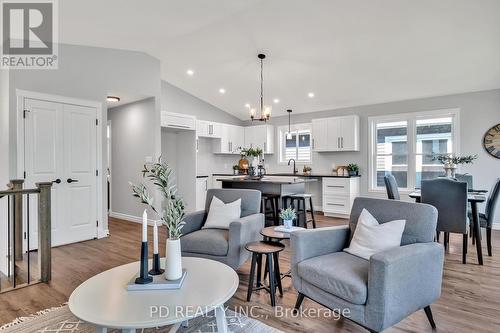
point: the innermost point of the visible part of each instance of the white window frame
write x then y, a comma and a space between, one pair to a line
282, 131
411, 119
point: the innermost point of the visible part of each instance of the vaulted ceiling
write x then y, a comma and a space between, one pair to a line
348, 53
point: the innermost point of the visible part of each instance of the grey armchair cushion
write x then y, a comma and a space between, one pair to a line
207, 241
420, 218
250, 199
340, 273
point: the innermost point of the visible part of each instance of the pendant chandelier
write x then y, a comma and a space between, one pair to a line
265, 110
289, 134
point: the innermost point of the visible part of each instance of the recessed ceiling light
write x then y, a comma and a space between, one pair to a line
310, 95
222, 90
113, 99
190, 72
247, 106
276, 100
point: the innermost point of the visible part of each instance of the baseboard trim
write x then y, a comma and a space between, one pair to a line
129, 218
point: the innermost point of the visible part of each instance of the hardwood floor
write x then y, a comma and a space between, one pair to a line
470, 300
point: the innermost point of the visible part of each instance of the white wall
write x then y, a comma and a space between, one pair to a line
131, 128
91, 73
478, 112
4, 162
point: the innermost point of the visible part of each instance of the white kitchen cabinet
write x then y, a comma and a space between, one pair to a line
201, 192
336, 134
231, 138
178, 121
260, 136
208, 129
338, 195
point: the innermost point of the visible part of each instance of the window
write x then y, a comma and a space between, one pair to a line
404, 146
298, 146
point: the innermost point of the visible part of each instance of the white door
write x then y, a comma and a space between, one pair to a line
349, 133
60, 146
333, 135
319, 132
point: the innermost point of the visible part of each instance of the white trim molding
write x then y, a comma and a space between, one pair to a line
130, 218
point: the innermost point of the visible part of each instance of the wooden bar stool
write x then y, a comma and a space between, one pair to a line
298, 202
271, 201
270, 250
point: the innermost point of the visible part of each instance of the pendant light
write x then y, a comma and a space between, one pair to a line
289, 134
265, 110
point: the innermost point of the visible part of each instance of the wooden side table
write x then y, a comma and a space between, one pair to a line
270, 250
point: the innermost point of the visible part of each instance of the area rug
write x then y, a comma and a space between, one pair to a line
61, 320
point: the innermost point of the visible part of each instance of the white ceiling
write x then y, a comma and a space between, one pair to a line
350, 52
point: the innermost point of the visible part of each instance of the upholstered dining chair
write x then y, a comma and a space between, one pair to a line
466, 178
226, 246
381, 291
392, 187
486, 219
449, 196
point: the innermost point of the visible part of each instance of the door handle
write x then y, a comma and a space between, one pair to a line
338, 142
72, 180
57, 181
342, 142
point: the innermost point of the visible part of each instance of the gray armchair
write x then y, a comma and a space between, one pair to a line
381, 291
226, 246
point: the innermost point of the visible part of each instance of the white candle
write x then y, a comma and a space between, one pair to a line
145, 226
155, 239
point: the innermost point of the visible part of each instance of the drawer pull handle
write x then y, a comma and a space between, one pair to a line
337, 186
332, 204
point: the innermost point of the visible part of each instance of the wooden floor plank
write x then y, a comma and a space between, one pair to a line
470, 301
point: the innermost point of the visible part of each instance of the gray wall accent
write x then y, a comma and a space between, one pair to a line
174, 99
131, 128
478, 112
91, 73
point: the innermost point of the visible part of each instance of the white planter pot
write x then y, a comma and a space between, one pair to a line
288, 224
173, 263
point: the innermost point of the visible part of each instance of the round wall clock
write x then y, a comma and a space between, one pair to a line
491, 141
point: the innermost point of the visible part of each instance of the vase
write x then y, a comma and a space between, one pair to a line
173, 262
288, 224
255, 162
450, 170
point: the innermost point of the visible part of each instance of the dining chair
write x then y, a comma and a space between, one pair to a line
486, 219
466, 178
449, 196
392, 187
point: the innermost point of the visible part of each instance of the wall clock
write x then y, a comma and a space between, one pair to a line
491, 141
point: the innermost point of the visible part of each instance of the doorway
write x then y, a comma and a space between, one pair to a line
61, 146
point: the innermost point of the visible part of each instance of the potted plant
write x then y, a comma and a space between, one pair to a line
254, 153
172, 215
353, 169
306, 170
236, 169
451, 161
288, 215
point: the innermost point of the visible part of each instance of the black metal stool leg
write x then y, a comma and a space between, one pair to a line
259, 270
266, 270
312, 212
271, 279
277, 273
250, 278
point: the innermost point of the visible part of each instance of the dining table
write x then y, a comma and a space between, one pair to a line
473, 197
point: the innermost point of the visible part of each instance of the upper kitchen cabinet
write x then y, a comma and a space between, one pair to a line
231, 139
208, 129
336, 134
261, 136
178, 120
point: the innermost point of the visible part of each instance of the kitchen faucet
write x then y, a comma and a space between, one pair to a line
294, 169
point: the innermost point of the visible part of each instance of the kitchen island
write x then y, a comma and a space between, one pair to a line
281, 185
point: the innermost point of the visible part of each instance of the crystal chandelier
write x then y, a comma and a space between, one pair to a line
265, 110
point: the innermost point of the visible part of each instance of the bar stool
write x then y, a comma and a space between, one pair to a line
298, 201
271, 200
270, 250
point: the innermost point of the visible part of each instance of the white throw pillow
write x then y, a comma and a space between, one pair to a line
220, 214
370, 237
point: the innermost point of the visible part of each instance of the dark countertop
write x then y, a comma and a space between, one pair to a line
292, 175
268, 179
202, 176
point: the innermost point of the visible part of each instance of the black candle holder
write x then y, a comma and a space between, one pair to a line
144, 277
156, 265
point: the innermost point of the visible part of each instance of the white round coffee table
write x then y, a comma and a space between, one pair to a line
103, 300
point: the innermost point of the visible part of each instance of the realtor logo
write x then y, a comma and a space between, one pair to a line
29, 34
